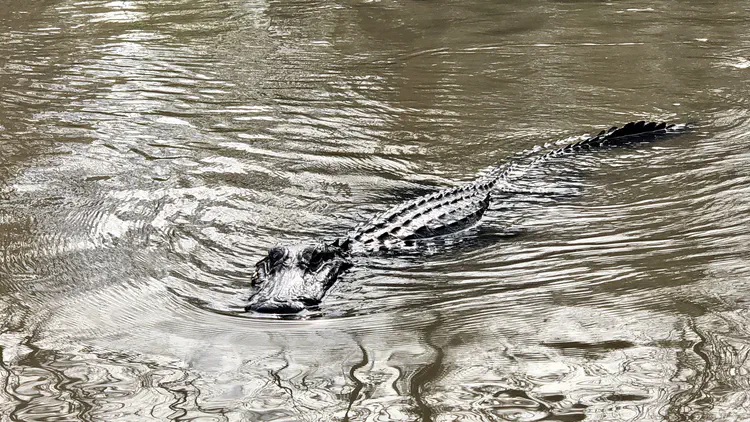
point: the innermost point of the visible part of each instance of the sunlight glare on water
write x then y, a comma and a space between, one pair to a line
151, 153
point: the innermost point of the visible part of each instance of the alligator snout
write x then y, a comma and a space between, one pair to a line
276, 307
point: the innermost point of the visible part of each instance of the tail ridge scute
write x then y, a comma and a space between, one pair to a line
631, 132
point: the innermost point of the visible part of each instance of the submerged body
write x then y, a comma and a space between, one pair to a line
292, 278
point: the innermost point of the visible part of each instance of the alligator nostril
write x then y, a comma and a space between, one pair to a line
274, 307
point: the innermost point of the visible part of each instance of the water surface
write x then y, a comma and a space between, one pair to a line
151, 152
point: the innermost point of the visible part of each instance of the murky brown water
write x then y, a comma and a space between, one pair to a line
150, 152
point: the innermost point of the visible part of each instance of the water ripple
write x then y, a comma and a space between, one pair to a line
150, 153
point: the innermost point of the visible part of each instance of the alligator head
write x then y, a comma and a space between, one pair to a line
292, 278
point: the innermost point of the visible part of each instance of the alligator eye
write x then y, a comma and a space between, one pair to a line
307, 255
276, 254
315, 261
319, 258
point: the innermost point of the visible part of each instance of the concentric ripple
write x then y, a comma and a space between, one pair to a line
151, 152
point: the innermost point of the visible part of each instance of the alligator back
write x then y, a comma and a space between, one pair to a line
453, 209
439, 213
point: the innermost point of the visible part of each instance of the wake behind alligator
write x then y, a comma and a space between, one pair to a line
292, 278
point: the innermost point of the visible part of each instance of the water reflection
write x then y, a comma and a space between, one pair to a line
151, 152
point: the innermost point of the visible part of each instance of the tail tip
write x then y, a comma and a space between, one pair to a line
680, 127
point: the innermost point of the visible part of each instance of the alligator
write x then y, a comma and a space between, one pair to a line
290, 279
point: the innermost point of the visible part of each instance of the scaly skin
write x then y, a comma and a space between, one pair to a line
292, 278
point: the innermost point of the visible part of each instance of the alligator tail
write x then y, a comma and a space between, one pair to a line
631, 133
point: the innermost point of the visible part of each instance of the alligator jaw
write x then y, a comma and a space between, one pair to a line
274, 307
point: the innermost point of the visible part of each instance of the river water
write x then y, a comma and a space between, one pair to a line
151, 152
